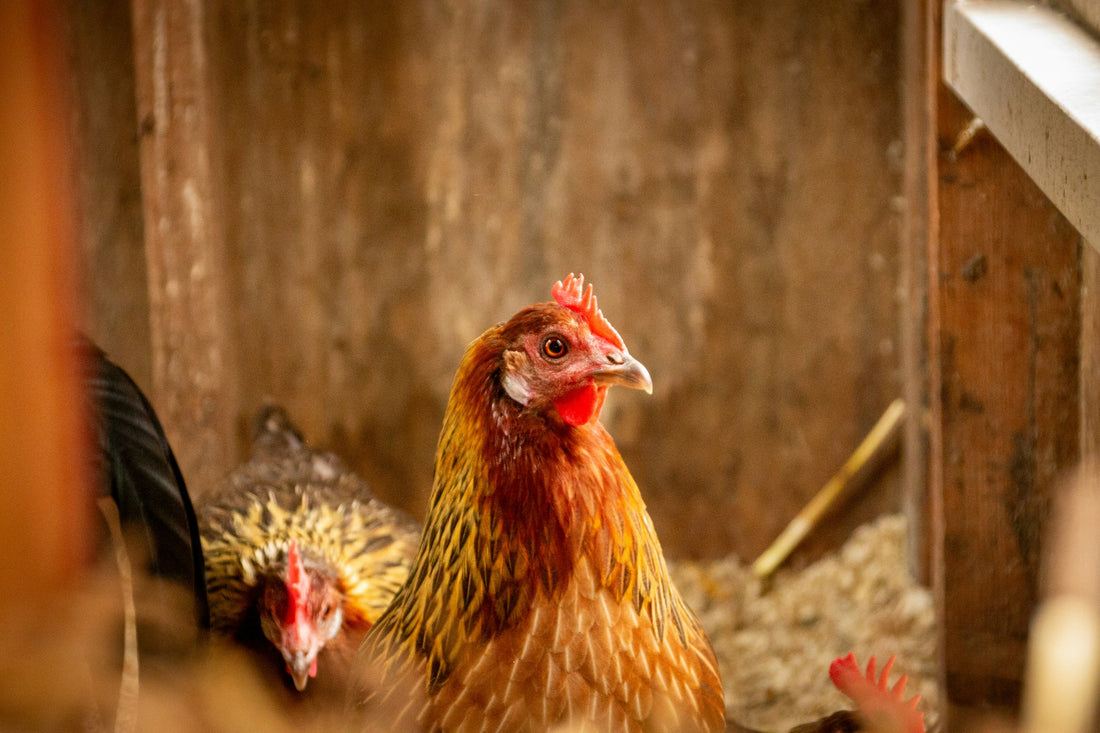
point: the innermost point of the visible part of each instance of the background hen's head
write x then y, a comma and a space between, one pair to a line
566, 355
301, 609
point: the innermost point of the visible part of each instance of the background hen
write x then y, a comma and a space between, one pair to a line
300, 553
539, 595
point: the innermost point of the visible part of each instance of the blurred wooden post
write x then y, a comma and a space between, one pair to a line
185, 236
1003, 339
44, 505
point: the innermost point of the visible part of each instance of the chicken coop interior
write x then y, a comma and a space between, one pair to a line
854, 242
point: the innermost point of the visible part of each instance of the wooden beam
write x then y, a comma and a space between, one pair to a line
1088, 13
1031, 74
184, 228
1004, 328
45, 501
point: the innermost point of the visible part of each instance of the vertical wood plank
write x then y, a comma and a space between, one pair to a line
1090, 354
45, 500
1004, 290
184, 234
922, 439
917, 82
108, 183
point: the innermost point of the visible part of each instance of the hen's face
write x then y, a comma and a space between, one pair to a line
300, 620
554, 360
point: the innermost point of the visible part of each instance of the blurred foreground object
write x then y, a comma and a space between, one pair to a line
44, 510
299, 551
61, 671
1063, 665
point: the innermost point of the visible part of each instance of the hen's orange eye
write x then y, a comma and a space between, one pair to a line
554, 347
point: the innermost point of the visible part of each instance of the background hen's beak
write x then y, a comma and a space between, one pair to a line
301, 667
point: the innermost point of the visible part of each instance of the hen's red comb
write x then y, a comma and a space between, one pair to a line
572, 295
882, 707
297, 581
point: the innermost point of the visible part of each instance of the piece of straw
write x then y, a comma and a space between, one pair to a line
127, 713
877, 442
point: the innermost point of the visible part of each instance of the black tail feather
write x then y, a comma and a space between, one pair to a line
139, 471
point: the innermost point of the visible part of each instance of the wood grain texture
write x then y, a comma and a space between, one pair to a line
184, 234
1004, 293
393, 178
110, 229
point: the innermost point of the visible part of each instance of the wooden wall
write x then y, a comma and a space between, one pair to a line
334, 198
322, 204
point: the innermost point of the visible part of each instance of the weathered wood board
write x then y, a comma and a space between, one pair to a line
392, 178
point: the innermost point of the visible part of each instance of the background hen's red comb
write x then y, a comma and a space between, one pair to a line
882, 707
572, 295
296, 580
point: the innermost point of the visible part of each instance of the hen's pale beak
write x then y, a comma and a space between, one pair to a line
625, 371
301, 666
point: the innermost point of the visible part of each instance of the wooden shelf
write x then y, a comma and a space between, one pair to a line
1033, 75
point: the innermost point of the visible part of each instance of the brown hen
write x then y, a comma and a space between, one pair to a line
539, 596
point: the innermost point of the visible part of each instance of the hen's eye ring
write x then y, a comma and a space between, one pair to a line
554, 347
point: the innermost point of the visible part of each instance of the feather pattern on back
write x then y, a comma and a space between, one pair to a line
288, 491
